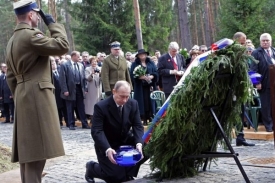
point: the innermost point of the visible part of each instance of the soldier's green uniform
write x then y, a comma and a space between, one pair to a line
36, 125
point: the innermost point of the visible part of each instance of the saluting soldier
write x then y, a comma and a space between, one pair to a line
114, 69
36, 134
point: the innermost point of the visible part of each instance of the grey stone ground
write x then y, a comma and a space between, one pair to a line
79, 149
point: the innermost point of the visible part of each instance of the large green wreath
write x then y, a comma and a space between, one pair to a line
187, 128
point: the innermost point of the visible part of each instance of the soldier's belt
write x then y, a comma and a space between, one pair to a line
21, 78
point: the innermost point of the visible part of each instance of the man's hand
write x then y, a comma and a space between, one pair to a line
143, 77
11, 96
151, 77
259, 86
139, 148
180, 73
110, 154
173, 72
47, 18
66, 94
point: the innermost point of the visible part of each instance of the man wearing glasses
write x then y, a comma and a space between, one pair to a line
100, 58
203, 48
85, 58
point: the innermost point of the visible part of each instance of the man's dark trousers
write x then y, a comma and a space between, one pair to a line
9, 111
110, 172
79, 105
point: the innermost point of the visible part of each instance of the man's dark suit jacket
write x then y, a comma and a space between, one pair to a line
165, 64
262, 67
5, 91
109, 130
57, 91
67, 81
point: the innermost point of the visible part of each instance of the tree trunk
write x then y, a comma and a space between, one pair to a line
67, 25
40, 24
216, 14
202, 24
211, 21
52, 9
138, 24
207, 24
184, 24
195, 23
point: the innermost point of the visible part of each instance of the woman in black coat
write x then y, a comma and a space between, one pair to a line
143, 86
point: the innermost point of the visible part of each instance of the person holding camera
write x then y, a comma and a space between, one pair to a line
94, 85
36, 136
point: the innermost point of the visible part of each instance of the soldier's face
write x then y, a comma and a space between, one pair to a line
115, 51
34, 16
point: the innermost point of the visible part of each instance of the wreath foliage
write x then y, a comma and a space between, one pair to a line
187, 128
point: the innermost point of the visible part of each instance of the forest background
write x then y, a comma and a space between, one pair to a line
91, 25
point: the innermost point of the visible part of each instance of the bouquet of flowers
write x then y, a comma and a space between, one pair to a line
139, 71
184, 53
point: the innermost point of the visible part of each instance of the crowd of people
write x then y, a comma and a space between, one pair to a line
81, 80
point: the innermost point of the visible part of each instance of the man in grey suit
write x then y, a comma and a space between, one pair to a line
171, 67
73, 88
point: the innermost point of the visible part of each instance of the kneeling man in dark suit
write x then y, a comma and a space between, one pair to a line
112, 120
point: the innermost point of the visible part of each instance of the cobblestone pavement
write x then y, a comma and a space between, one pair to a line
258, 162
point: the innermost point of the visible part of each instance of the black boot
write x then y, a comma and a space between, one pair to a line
240, 141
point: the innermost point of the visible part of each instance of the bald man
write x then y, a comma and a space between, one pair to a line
112, 120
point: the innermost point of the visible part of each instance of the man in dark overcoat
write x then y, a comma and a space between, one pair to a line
36, 134
265, 54
112, 120
6, 96
60, 102
171, 67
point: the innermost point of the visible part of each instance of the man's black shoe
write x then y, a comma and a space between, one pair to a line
243, 143
86, 127
88, 178
129, 178
269, 130
6, 122
72, 128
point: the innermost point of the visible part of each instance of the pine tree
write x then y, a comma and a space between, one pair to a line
245, 16
100, 22
7, 23
157, 23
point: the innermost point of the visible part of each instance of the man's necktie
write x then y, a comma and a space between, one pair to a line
267, 51
76, 73
120, 111
56, 74
176, 68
